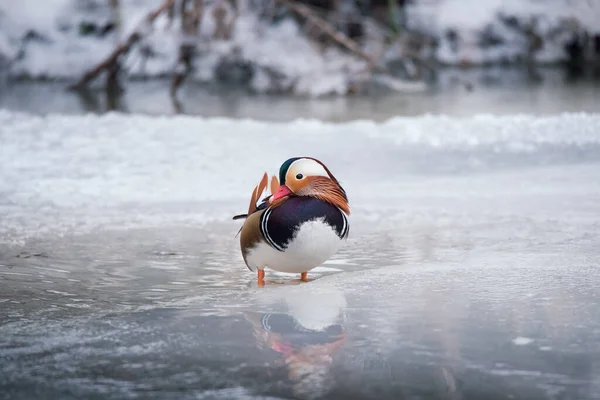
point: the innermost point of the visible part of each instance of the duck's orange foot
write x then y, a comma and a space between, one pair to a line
261, 277
304, 277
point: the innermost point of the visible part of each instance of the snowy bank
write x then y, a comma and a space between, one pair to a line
500, 31
47, 42
64, 38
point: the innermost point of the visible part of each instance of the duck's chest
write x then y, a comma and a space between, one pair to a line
303, 221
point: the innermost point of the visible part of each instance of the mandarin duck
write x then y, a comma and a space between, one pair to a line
299, 224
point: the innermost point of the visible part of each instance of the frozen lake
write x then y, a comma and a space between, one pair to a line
471, 272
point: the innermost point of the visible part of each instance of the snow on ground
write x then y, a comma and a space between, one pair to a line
81, 172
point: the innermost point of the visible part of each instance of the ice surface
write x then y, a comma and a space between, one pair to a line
471, 268
411, 325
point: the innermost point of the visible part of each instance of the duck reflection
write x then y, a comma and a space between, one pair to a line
306, 335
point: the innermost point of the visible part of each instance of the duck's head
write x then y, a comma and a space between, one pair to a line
307, 176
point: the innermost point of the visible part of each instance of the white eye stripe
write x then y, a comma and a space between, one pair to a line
307, 167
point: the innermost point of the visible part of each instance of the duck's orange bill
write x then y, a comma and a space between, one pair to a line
281, 192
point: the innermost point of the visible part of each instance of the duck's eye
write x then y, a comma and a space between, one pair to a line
299, 176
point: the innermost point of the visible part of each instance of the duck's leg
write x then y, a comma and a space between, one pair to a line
304, 277
261, 277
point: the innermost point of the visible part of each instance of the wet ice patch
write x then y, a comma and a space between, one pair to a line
59, 292
522, 341
326, 269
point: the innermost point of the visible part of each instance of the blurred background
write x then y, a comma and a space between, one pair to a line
283, 59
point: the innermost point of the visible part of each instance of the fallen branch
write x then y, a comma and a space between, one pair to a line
122, 49
332, 32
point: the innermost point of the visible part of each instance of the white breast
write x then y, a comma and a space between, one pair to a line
314, 242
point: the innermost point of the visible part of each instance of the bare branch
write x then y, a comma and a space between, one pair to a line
331, 31
121, 49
